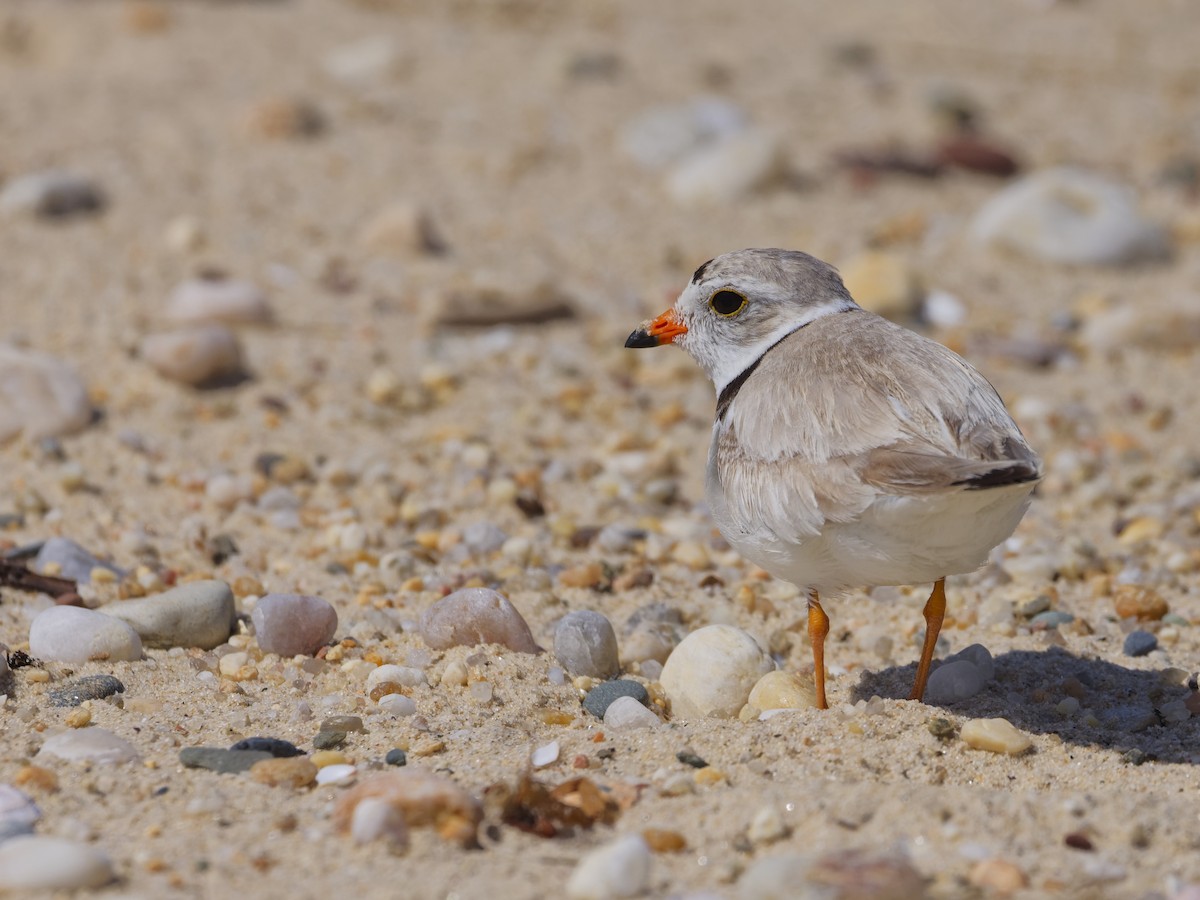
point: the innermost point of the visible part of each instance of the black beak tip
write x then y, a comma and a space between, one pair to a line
641, 338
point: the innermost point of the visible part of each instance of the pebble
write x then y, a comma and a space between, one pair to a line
996, 735
545, 755
997, 875
343, 723
629, 714
51, 194
1069, 215
585, 644
884, 283
200, 355
363, 62
67, 559
727, 170
396, 757
97, 745
421, 798
620, 868
712, 671
89, 687
338, 773
18, 813
293, 624
398, 705
218, 301
44, 863
1139, 643
327, 740
277, 747
399, 230
405, 676
599, 697
40, 396
664, 135
1174, 326
953, 681
842, 875
75, 635
767, 826
782, 690
1142, 603
293, 772
482, 303
981, 657
1051, 618
476, 616
218, 759
195, 614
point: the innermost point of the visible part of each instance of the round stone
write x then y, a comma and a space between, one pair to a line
1051, 618
293, 624
585, 644
218, 300
51, 194
218, 759
97, 745
75, 635
40, 396
1139, 643
407, 676
953, 681
68, 559
783, 690
712, 671
196, 614
277, 747
620, 868
44, 863
476, 616
628, 714
396, 757
294, 772
199, 355
89, 687
602, 695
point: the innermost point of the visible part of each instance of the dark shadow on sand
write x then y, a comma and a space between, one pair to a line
1029, 685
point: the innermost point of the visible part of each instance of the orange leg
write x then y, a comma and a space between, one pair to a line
818, 628
935, 612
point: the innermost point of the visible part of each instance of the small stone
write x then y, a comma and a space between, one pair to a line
218, 301
476, 616
200, 355
1038, 604
664, 135
483, 538
421, 798
602, 695
426, 746
995, 735
285, 118
1071, 216
783, 690
89, 687
584, 575
97, 745
483, 303
767, 826
327, 740
664, 840
218, 759
727, 170
75, 635
343, 723
1141, 603
455, 674
953, 681
1139, 643
396, 757
293, 624
40, 396
397, 705
277, 747
374, 819
43, 863
844, 875
585, 644
323, 758
363, 62
884, 283
941, 309
1141, 530
545, 755
294, 772
400, 230
339, 773
405, 676
998, 876
196, 614
628, 714
51, 194
18, 813
65, 558
712, 671
620, 868
1051, 618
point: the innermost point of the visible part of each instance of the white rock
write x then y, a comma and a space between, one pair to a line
545, 755
627, 714
195, 614
50, 194
225, 301
18, 813
363, 62
40, 396
712, 671
227, 491
397, 705
996, 735
953, 681
374, 818
196, 356
42, 863
400, 229
336, 774
97, 745
1069, 215
402, 675
75, 635
941, 309
618, 869
727, 170
661, 136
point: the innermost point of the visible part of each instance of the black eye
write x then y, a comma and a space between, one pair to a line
727, 303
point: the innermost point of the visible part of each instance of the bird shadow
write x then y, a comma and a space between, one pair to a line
1028, 687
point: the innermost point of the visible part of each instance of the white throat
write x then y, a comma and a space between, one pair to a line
730, 365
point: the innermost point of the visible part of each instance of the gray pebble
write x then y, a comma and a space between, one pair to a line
955, 680
602, 695
293, 624
218, 759
585, 644
1139, 643
396, 757
70, 560
1050, 619
327, 740
51, 194
482, 538
89, 687
196, 614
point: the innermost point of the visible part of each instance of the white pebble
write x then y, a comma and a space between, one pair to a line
374, 818
545, 755
627, 714
397, 705
43, 863
617, 869
40, 396
224, 301
406, 676
712, 671
339, 773
663, 135
197, 356
72, 634
49, 194
96, 745
995, 735
726, 171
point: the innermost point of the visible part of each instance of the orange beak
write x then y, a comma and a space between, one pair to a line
657, 332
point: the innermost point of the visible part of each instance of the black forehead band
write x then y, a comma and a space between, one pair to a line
699, 273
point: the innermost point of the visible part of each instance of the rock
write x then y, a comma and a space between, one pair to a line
293, 624
374, 819
43, 863
397, 705
220, 301
52, 194
483, 302
1139, 643
327, 740
783, 690
200, 356
598, 698
997, 876
620, 868
372, 59
400, 230
195, 614
712, 671
726, 171
405, 676
661, 136
953, 681
996, 735
884, 283
975, 154
476, 616
1051, 618
767, 826
629, 714
396, 757
482, 538
40, 396
421, 798
941, 309
279, 118
218, 759
18, 813
65, 558
1148, 326
1072, 216
1141, 603
585, 644
981, 657
293, 772
844, 875
75, 635
277, 747
343, 723
650, 641
545, 755
89, 687
96, 745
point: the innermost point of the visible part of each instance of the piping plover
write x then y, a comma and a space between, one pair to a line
847, 451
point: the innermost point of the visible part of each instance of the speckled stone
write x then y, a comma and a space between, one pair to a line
277, 747
89, 687
585, 644
598, 698
218, 759
1139, 643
